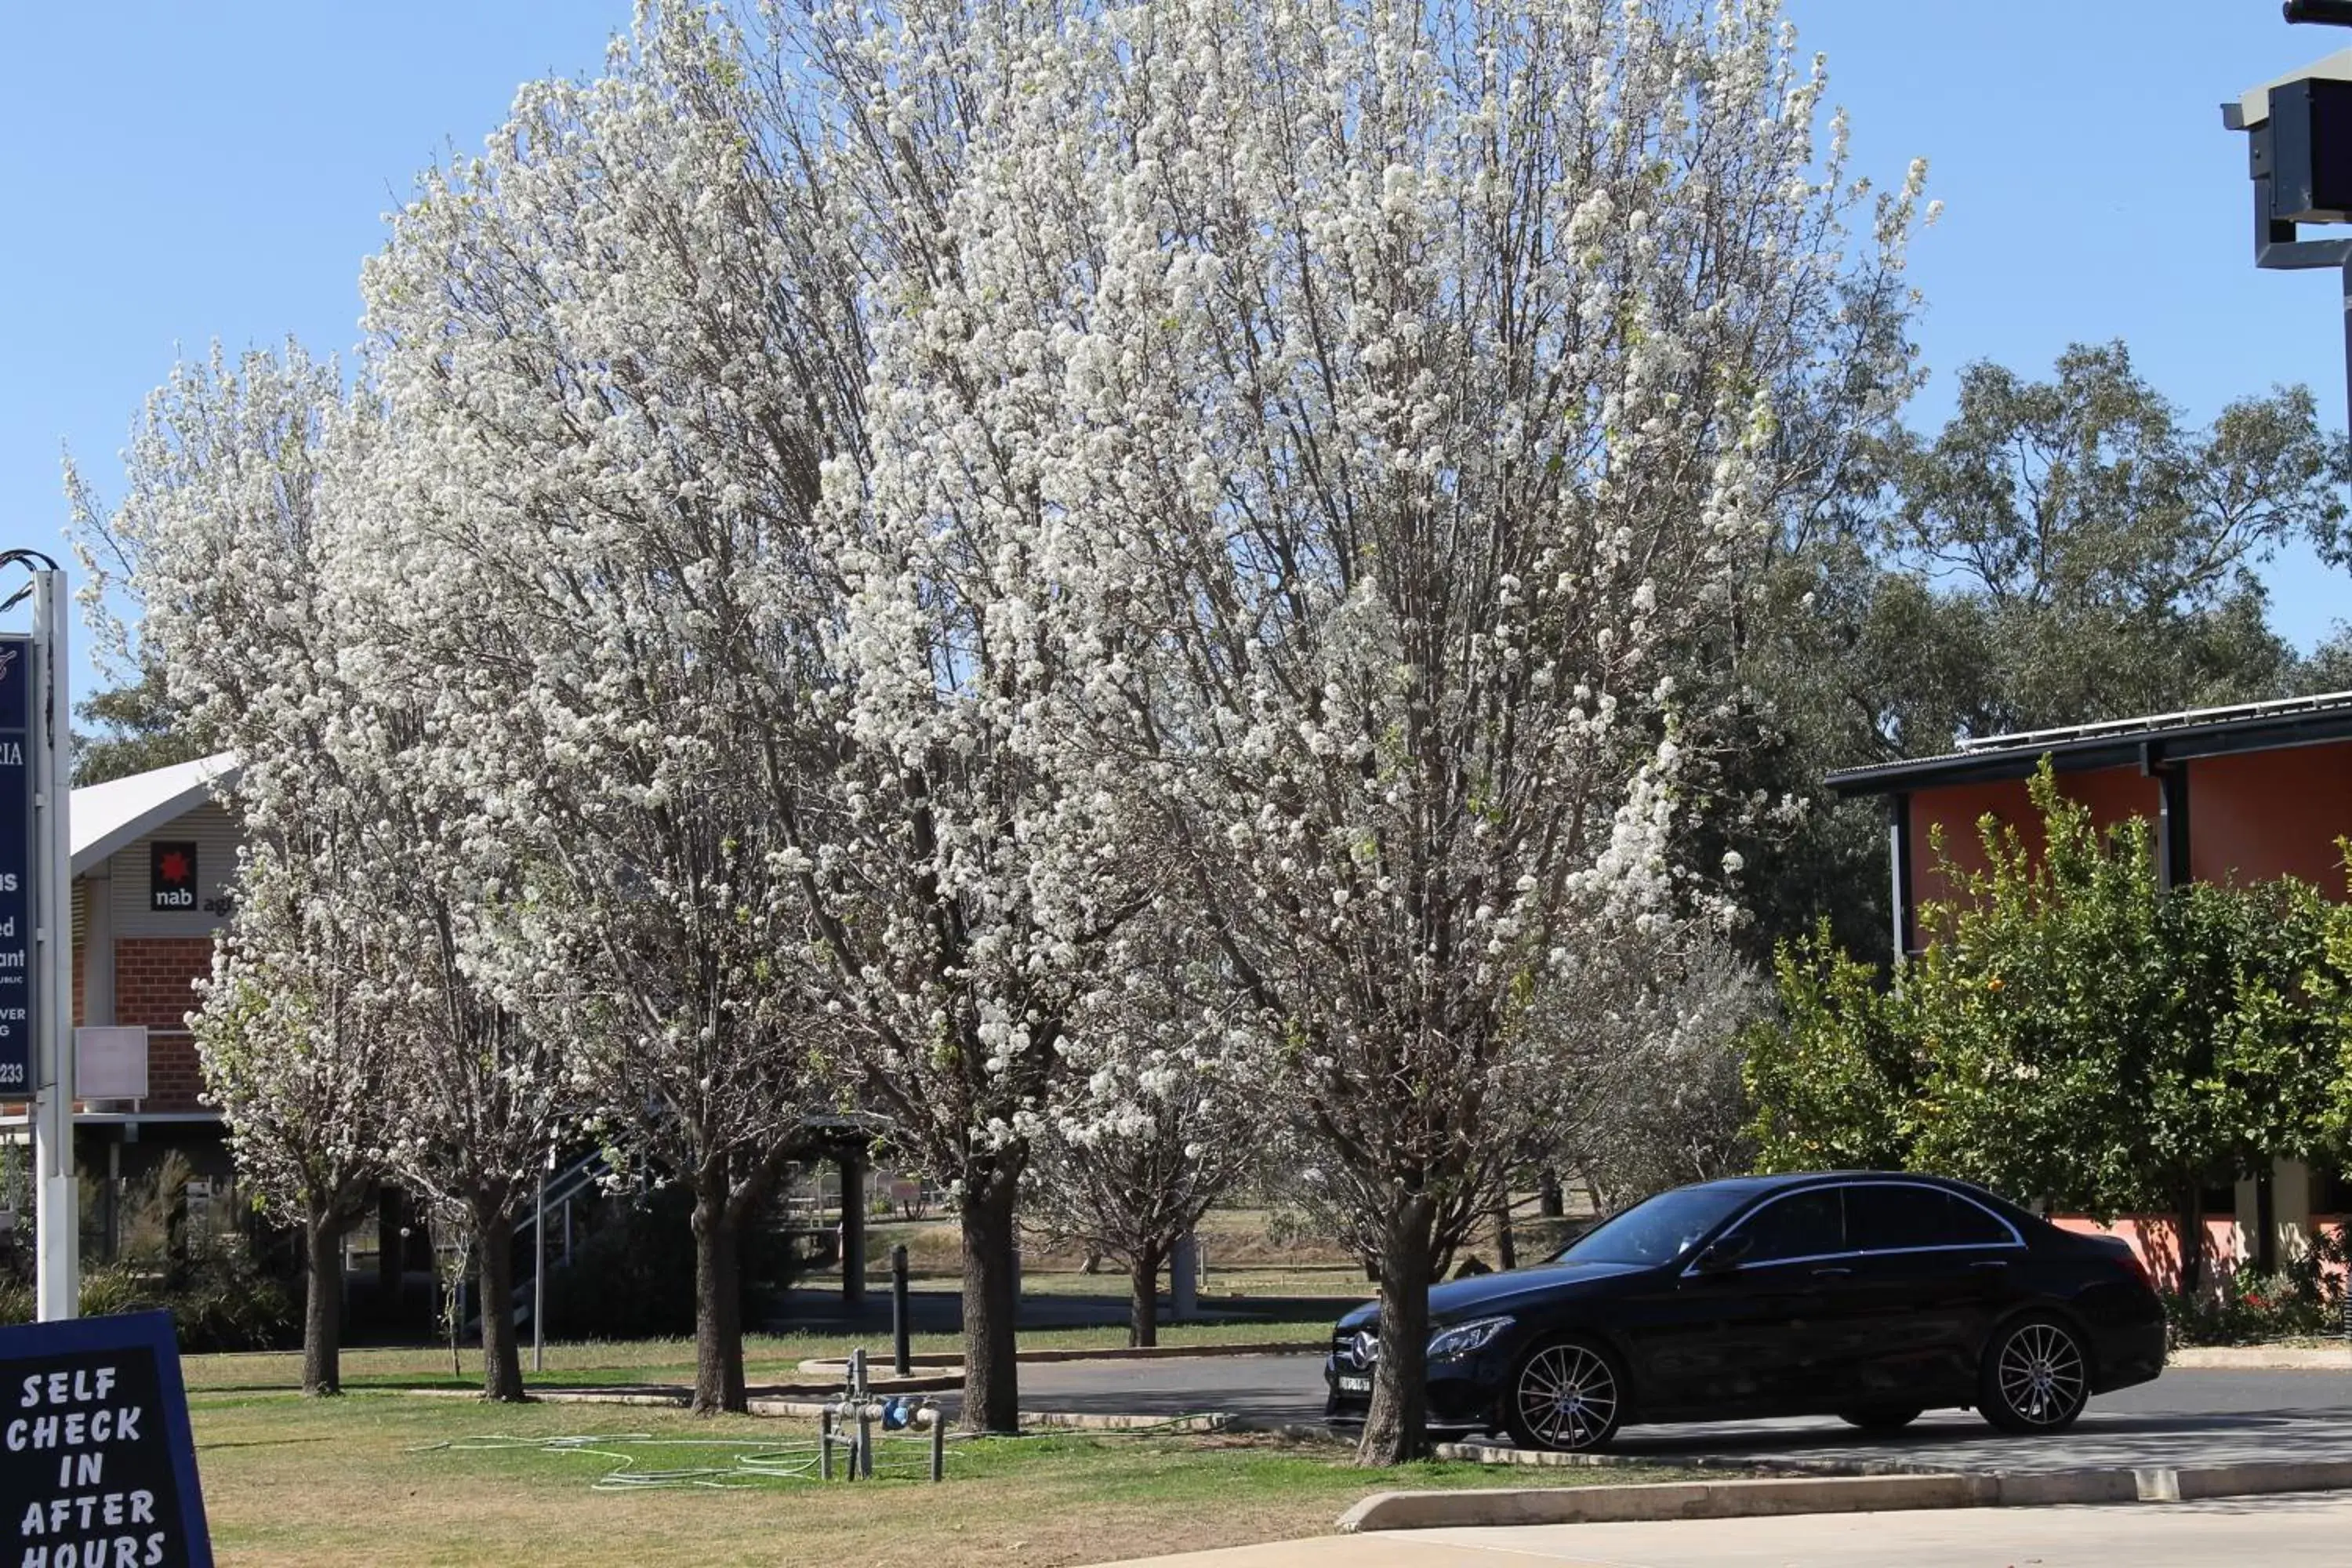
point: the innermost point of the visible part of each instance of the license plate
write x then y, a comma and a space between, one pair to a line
1355, 1385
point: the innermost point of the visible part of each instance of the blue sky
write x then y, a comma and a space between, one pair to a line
178, 172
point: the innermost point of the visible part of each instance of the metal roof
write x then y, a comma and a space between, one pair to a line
2146, 743
106, 817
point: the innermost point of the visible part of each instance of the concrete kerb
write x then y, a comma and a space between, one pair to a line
1484, 1453
1794, 1494
2261, 1358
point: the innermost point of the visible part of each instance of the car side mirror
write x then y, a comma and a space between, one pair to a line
1724, 1252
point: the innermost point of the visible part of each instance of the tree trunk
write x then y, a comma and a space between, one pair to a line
992, 1390
1143, 1299
1506, 1247
718, 1306
1396, 1429
322, 1310
494, 1264
1550, 1202
2192, 1237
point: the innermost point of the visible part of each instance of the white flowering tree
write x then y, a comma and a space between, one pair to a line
219, 542
1660, 1056
1398, 386
614, 350
296, 1057
479, 1090
965, 865
1166, 1111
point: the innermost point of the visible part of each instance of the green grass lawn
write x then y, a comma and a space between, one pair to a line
366, 1479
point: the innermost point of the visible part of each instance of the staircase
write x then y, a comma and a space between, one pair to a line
549, 1205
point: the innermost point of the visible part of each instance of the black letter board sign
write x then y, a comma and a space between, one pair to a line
171, 876
97, 1465
15, 868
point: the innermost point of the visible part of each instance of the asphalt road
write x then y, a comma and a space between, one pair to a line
2184, 1417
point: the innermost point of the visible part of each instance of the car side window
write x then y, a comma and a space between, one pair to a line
1889, 1216
1803, 1225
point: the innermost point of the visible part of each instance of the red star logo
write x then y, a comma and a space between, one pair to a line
174, 867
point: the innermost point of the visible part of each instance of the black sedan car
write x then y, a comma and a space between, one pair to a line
1860, 1294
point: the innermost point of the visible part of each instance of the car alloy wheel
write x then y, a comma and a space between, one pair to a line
2035, 1377
1566, 1396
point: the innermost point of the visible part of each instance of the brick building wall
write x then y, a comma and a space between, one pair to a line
154, 984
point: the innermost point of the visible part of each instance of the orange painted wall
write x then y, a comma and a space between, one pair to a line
2112, 793
2271, 814
2155, 1240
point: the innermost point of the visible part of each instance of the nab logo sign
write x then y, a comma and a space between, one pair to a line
171, 876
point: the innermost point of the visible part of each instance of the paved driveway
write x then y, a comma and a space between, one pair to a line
2184, 1417
2286, 1529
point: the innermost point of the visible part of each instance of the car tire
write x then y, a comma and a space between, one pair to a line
1879, 1420
2035, 1376
1566, 1395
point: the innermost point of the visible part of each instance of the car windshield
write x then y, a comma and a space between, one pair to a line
1657, 1230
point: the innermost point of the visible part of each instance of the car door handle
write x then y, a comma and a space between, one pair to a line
1991, 1263
1832, 1273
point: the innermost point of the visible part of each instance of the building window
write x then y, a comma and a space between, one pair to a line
2331, 1192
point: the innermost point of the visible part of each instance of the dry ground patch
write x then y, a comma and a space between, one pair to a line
358, 1479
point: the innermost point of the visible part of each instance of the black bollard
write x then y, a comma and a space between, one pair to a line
900, 1361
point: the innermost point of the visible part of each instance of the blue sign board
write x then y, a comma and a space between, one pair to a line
98, 1467
18, 713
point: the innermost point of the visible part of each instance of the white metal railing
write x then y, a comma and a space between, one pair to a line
2155, 722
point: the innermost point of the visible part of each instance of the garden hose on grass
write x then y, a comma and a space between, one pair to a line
750, 1464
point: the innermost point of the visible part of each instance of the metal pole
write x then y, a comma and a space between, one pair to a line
57, 1274
862, 1465
2347, 325
1185, 1279
538, 1279
824, 1443
939, 1443
900, 1361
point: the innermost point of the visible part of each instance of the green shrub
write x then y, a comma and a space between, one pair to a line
2254, 1306
198, 1266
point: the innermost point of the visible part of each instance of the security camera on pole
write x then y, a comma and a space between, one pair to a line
2298, 130
35, 920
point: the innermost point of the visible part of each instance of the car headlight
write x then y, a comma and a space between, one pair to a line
1462, 1339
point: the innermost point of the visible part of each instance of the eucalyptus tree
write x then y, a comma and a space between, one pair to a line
220, 542
2101, 548
138, 730
1385, 390
614, 351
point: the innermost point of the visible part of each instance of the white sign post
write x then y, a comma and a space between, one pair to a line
58, 1279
